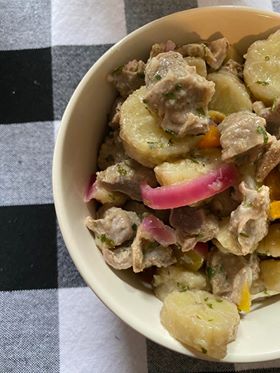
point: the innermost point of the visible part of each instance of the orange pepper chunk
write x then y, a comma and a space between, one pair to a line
274, 210
211, 139
273, 182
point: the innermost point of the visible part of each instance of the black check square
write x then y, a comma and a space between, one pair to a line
28, 247
26, 86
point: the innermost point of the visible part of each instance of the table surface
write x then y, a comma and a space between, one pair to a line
50, 321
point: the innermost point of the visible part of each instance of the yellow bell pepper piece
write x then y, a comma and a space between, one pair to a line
211, 139
274, 210
245, 299
273, 182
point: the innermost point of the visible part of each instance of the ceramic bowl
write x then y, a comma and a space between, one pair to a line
79, 137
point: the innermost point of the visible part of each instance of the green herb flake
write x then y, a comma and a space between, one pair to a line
145, 101
134, 227
262, 82
104, 239
194, 160
210, 320
219, 300
170, 95
200, 111
210, 305
263, 132
198, 317
118, 70
157, 77
181, 287
152, 245
210, 272
206, 299
141, 75
267, 58
155, 144
203, 350
178, 87
244, 234
167, 130
170, 142
122, 171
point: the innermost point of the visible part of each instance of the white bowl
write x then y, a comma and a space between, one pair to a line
78, 140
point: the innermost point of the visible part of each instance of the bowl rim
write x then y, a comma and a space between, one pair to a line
57, 166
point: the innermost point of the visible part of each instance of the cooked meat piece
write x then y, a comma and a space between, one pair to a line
234, 68
126, 177
271, 115
120, 258
114, 228
269, 160
228, 274
111, 151
218, 52
213, 53
178, 94
223, 203
249, 222
242, 134
146, 253
158, 48
114, 121
192, 225
103, 195
129, 77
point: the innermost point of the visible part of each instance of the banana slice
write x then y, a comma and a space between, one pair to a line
261, 69
201, 320
230, 94
142, 137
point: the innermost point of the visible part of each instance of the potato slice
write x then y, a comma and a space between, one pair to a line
199, 64
201, 320
176, 277
261, 68
142, 137
270, 245
169, 173
230, 94
270, 274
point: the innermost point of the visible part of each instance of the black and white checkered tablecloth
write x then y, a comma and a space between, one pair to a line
49, 320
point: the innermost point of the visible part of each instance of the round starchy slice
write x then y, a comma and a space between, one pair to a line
201, 320
270, 244
261, 69
142, 137
270, 274
230, 94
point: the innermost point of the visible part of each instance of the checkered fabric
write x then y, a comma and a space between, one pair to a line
50, 321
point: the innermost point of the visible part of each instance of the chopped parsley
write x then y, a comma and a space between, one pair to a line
181, 287
200, 111
178, 87
104, 239
243, 234
267, 58
167, 130
210, 305
203, 350
170, 142
210, 320
155, 144
157, 77
262, 82
170, 95
247, 204
122, 171
145, 101
198, 317
263, 132
151, 245
219, 300
118, 70
194, 160
210, 272
134, 227
206, 299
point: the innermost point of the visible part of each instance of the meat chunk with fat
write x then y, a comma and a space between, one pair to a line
120, 258
115, 227
214, 52
158, 48
271, 115
111, 151
192, 225
249, 222
178, 95
269, 160
129, 77
229, 273
126, 177
243, 135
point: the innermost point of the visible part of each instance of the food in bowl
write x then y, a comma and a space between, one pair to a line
188, 183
